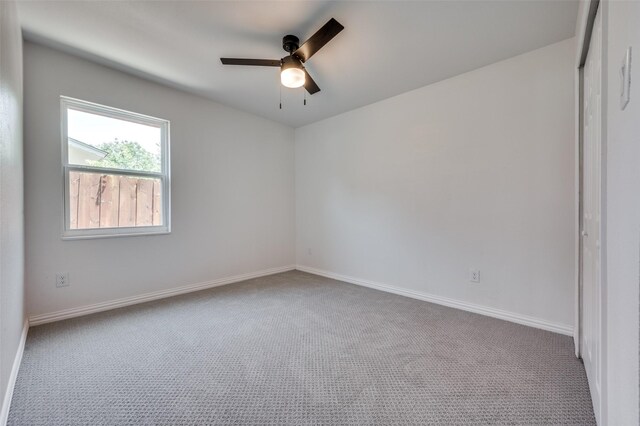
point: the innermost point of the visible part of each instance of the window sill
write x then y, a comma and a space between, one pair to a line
90, 234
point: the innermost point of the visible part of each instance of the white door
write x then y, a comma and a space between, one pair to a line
591, 209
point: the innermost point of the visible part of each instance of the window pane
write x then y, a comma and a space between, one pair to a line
99, 200
100, 141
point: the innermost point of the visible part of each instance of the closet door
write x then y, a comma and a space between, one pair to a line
591, 220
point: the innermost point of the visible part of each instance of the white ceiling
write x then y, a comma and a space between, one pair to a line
387, 47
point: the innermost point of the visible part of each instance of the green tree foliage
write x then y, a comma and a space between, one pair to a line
127, 155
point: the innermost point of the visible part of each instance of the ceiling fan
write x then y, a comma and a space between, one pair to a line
292, 73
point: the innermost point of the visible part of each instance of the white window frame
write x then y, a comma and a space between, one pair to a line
164, 176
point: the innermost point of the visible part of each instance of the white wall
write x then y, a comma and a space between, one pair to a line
11, 198
621, 21
476, 171
232, 190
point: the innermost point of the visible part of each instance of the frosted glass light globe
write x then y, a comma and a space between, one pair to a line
292, 77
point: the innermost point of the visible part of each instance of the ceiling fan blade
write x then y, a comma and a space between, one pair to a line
309, 84
318, 40
256, 62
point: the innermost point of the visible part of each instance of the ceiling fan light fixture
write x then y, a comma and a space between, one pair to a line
291, 74
292, 78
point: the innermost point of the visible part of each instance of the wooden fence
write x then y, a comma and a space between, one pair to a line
111, 201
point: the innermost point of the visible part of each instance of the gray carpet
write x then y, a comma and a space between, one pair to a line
297, 349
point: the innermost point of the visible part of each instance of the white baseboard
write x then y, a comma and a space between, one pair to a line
445, 301
147, 297
6, 403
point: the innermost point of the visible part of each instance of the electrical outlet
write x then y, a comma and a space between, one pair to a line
474, 275
62, 279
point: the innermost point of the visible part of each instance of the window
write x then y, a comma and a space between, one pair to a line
116, 171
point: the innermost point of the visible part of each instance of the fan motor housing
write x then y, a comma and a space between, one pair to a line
290, 43
291, 62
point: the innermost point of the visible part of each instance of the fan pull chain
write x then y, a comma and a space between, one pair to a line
305, 96
280, 95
